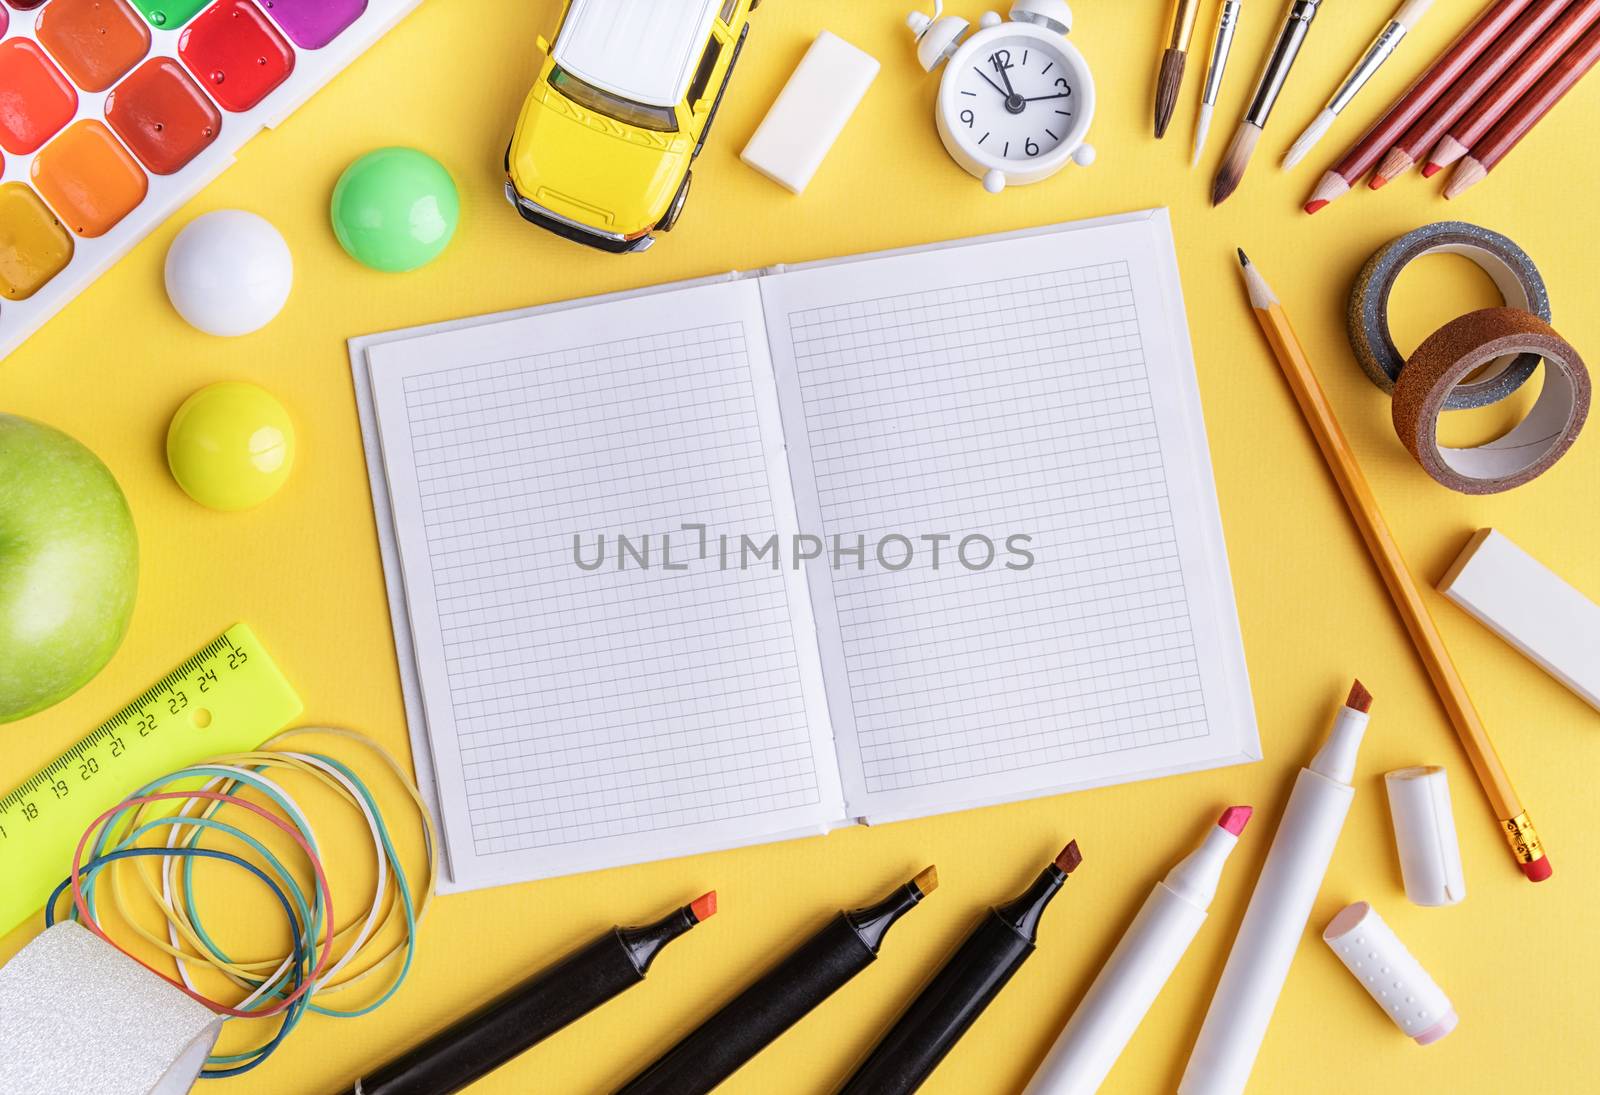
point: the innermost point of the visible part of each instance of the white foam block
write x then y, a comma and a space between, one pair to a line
1529, 606
810, 112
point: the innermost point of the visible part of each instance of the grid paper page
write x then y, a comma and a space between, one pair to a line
585, 717
1013, 393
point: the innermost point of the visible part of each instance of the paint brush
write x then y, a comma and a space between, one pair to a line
1382, 47
1170, 77
965, 985
1221, 46
1296, 24
809, 974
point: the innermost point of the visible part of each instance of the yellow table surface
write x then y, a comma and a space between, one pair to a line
1519, 960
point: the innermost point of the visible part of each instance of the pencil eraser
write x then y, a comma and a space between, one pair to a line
1531, 607
1425, 835
810, 112
1394, 979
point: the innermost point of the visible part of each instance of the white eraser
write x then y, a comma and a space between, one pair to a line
810, 112
1529, 606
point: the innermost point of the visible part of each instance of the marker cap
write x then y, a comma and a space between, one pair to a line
1371, 951
1425, 835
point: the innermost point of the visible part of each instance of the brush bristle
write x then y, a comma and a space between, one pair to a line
1359, 699
1237, 159
704, 907
1167, 84
1069, 858
927, 881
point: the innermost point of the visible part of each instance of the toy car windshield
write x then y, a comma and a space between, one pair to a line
659, 118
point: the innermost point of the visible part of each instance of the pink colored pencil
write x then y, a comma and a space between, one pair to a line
1446, 68
1479, 78
1505, 133
1484, 113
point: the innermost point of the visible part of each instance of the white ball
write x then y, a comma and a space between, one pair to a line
229, 272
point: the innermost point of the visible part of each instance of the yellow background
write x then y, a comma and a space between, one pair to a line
1520, 961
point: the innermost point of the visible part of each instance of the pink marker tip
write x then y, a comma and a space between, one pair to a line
1234, 819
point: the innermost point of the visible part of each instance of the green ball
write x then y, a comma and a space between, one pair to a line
395, 209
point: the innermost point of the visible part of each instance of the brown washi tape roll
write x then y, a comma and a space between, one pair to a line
1453, 352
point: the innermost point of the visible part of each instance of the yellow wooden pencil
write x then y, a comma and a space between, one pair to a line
1391, 565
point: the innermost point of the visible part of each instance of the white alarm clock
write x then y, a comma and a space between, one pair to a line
1016, 98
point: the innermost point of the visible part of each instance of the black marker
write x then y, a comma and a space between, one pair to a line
973, 976
807, 976
512, 1024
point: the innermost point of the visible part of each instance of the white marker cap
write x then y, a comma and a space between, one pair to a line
1425, 835
1370, 949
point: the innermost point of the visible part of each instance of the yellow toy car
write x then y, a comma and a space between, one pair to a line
621, 108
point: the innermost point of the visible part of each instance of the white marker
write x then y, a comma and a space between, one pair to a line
1138, 969
1270, 933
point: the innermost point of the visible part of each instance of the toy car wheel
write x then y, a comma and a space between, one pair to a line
676, 208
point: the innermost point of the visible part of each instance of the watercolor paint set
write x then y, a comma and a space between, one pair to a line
115, 112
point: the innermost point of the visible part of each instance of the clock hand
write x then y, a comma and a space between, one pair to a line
1011, 92
1037, 98
990, 82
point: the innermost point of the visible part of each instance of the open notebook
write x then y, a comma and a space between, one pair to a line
773, 650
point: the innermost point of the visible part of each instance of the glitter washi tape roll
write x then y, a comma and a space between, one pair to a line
1507, 265
76, 1014
1456, 350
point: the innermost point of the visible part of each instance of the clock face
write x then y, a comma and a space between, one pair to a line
1014, 98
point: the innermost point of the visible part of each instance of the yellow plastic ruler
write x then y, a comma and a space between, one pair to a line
228, 698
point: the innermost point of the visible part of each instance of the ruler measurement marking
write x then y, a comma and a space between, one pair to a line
140, 707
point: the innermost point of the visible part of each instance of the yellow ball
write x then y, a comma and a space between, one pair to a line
231, 446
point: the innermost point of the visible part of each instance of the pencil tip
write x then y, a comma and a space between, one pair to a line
1315, 204
1430, 169
1244, 259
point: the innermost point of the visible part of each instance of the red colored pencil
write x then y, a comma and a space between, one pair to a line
1484, 113
1505, 134
1524, 34
1446, 68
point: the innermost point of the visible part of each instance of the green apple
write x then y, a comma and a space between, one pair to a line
69, 566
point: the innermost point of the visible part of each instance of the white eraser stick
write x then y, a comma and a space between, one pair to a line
810, 112
1529, 606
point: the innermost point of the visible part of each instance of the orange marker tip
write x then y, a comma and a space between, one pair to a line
927, 881
704, 907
